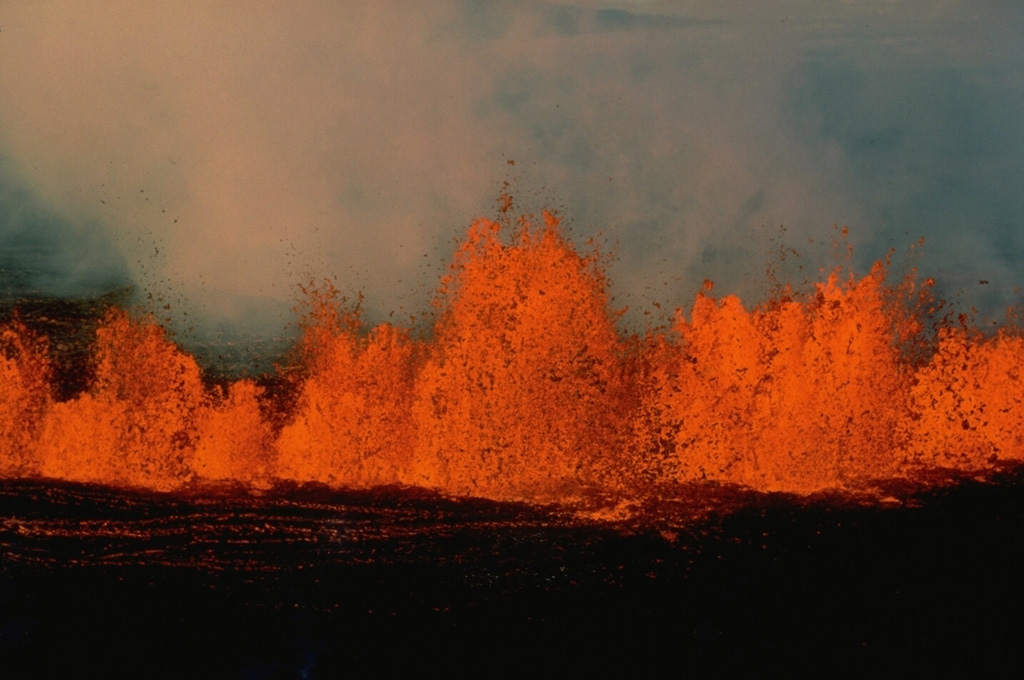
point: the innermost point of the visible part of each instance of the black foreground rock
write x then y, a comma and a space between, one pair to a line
307, 582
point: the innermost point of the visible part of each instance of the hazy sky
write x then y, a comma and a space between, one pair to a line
216, 151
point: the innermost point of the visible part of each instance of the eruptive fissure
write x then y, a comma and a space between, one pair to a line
526, 388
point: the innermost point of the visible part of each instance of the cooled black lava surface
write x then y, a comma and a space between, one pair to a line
306, 582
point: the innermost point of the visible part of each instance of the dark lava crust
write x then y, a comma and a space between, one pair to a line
308, 582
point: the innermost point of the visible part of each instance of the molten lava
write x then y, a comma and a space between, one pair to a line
527, 389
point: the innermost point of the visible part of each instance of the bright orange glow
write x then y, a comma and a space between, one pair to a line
353, 422
526, 389
969, 401
138, 424
25, 397
797, 395
522, 391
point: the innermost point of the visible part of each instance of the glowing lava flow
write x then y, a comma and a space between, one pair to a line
527, 390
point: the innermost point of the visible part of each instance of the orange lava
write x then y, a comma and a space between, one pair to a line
527, 389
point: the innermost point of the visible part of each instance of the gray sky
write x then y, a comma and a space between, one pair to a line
214, 152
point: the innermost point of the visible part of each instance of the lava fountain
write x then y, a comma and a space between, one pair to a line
526, 389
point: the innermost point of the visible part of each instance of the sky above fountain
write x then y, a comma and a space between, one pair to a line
216, 153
